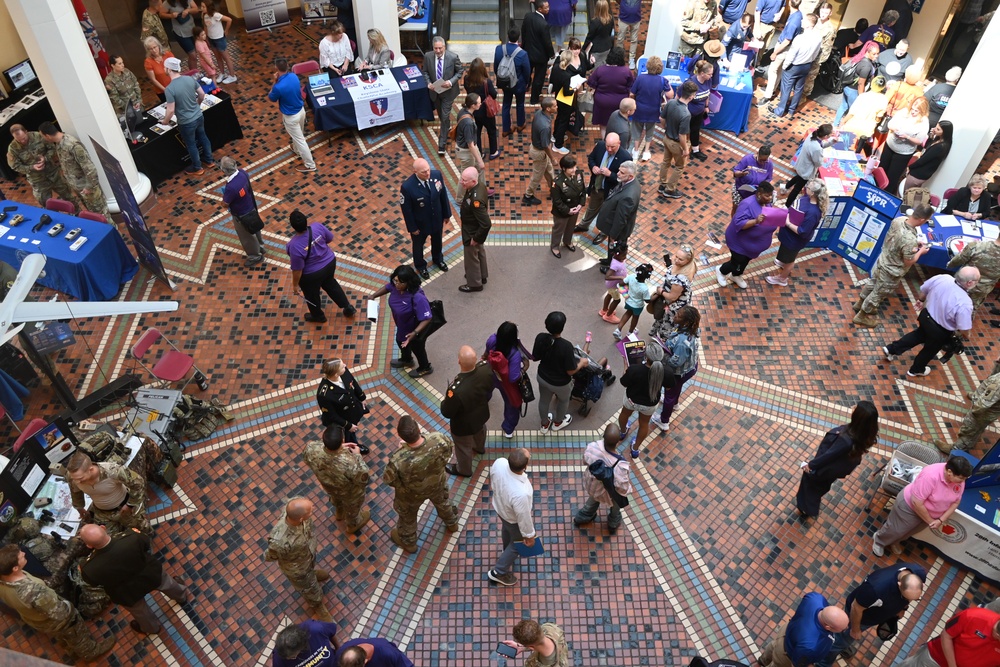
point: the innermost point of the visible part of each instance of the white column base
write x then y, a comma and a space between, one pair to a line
142, 189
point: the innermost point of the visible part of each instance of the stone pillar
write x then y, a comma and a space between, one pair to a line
381, 14
54, 41
972, 109
664, 31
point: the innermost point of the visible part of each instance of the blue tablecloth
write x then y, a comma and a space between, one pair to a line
734, 116
95, 272
939, 236
338, 111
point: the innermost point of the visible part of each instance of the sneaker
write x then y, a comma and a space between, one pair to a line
191, 171
558, 426
508, 435
420, 372
502, 579
655, 421
896, 548
400, 363
888, 355
742, 284
670, 194
562, 151
305, 170
631, 63
634, 453
698, 155
877, 550
253, 261
602, 312
546, 425
617, 333
720, 277
776, 280
927, 371
611, 319
530, 201
646, 155
229, 79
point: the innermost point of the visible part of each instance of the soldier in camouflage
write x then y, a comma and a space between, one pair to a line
984, 411
343, 474
900, 251
78, 169
416, 471
31, 155
40, 607
985, 256
118, 494
293, 545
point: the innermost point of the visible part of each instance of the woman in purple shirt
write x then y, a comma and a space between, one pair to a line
746, 237
611, 83
794, 237
750, 172
704, 77
314, 265
650, 90
506, 344
411, 311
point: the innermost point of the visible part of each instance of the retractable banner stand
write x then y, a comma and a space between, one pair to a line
142, 239
264, 14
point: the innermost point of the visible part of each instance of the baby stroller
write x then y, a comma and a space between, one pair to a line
589, 383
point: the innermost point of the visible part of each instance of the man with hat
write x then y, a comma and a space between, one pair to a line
699, 17
184, 97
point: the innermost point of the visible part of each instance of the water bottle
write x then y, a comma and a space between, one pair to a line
202, 381
589, 337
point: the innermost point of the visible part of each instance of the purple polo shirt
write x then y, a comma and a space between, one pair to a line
750, 242
947, 303
757, 174
237, 194
321, 254
320, 653
408, 310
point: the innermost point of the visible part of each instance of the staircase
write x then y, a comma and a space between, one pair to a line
474, 31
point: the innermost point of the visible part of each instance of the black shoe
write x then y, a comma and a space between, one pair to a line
579, 229
452, 469
425, 274
600, 238
420, 372
467, 288
442, 151
349, 311
604, 269
671, 194
699, 156
400, 363
311, 318
442, 266
485, 281
530, 201
364, 449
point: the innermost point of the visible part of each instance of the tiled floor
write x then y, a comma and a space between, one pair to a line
710, 559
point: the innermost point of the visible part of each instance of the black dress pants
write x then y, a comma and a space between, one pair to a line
418, 241
537, 80
324, 279
932, 335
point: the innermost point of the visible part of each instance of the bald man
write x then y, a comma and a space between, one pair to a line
293, 545
475, 228
467, 405
808, 637
125, 567
424, 201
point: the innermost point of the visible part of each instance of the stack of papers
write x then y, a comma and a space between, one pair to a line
947, 221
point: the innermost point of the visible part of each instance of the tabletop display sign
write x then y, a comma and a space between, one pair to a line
318, 11
378, 99
264, 14
20, 480
855, 226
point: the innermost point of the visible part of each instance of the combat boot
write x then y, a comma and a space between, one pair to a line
322, 575
410, 549
366, 515
863, 319
101, 648
857, 305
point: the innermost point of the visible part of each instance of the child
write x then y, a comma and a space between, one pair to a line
635, 300
617, 272
204, 54
217, 26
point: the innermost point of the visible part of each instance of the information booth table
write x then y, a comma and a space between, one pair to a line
950, 234
372, 98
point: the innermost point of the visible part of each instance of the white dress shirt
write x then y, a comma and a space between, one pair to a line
512, 496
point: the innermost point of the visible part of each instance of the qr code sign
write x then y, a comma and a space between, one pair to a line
267, 17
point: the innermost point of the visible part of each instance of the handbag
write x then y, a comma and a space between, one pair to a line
585, 100
252, 222
657, 307
437, 321
492, 106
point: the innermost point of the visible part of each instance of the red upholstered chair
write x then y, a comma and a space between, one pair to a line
935, 201
96, 217
306, 68
881, 180
172, 366
33, 427
191, 72
60, 205
949, 193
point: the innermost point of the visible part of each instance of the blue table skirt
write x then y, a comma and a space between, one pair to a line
734, 116
938, 256
95, 272
338, 113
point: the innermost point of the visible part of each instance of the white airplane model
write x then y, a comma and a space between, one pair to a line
14, 310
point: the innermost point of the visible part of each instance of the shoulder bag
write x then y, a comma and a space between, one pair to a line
252, 222
490, 102
437, 320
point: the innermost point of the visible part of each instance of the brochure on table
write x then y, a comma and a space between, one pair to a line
855, 227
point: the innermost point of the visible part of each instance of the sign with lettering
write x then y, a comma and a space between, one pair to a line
855, 227
880, 200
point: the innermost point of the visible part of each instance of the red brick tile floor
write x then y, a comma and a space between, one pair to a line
711, 557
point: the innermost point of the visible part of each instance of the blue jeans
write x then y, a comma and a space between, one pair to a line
508, 98
850, 94
793, 80
192, 133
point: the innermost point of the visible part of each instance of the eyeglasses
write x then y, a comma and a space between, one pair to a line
687, 249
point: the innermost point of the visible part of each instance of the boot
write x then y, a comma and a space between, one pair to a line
863, 319
102, 647
365, 515
340, 515
410, 549
322, 575
857, 305
321, 613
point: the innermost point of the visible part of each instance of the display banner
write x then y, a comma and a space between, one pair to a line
142, 239
969, 542
312, 10
93, 40
377, 97
855, 227
264, 14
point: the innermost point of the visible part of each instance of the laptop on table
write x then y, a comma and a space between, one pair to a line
320, 84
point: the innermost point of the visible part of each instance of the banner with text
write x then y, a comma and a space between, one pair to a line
264, 14
377, 98
969, 542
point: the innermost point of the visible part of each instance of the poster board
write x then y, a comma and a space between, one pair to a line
20, 480
855, 227
264, 14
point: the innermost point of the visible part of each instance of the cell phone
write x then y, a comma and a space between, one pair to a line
8, 209
73, 233
713, 238
667, 262
508, 651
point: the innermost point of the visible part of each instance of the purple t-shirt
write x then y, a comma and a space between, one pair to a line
321, 255
321, 652
750, 242
616, 268
408, 310
648, 90
699, 103
810, 221
756, 173
386, 653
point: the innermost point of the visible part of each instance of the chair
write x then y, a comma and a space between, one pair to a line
96, 217
3, 413
196, 73
881, 180
33, 427
60, 205
949, 193
891, 485
935, 202
172, 366
306, 68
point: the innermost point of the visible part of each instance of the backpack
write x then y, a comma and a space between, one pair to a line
507, 69
605, 474
829, 75
849, 74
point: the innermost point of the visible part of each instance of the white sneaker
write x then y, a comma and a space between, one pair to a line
546, 425
655, 421
877, 550
562, 150
742, 284
631, 63
722, 278
563, 424
229, 79
888, 355
646, 155
617, 333
776, 280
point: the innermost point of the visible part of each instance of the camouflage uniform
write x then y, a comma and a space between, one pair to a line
22, 159
81, 174
417, 474
294, 548
343, 474
984, 411
829, 32
900, 245
696, 13
43, 609
113, 520
985, 256
561, 658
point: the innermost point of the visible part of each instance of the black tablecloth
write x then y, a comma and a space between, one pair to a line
338, 112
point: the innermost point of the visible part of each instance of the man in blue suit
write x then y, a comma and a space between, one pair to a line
426, 208
523, 67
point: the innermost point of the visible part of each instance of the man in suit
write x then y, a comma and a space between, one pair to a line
426, 209
604, 162
523, 67
617, 217
445, 66
124, 566
537, 41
